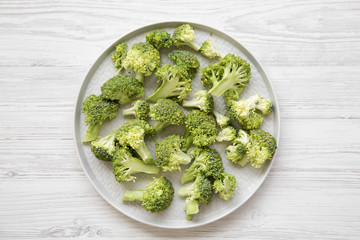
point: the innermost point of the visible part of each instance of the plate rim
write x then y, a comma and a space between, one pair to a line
77, 111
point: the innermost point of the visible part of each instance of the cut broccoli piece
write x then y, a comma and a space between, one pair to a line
119, 55
157, 196
229, 77
175, 83
132, 134
206, 162
104, 148
97, 111
125, 165
237, 154
184, 35
140, 109
144, 58
207, 49
221, 120
202, 100
225, 186
122, 88
185, 59
227, 134
159, 39
166, 112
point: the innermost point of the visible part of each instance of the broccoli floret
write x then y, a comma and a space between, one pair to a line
201, 129
144, 58
97, 110
245, 112
185, 59
237, 154
124, 165
229, 77
168, 155
202, 100
222, 120
104, 148
122, 88
207, 49
157, 196
184, 35
206, 162
166, 112
159, 39
175, 83
225, 186
200, 191
140, 109
227, 134
119, 55
132, 134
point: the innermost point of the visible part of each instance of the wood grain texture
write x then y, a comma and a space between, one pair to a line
311, 52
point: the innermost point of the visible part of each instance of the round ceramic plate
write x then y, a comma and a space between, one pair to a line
100, 173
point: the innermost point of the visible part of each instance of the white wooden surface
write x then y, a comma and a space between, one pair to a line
311, 52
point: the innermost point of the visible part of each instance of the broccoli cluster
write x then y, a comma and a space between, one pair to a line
127, 148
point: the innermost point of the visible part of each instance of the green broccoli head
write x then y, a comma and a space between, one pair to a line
201, 127
122, 88
221, 120
166, 112
175, 83
140, 109
104, 148
202, 100
132, 134
227, 78
157, 196
261, 147
159, 39
97, 110
186, 59
184, 35
207, 49
143, 58
227, 134
119, 55
225, 186
125, 165
237, 154
168, 155
207, 162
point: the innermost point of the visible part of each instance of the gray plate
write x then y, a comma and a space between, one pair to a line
100, 173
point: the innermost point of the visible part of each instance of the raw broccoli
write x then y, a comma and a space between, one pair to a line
124, 165
206, 162
227, 134
229, 77
166, 112
157, 196
201, 129
144, 58
225, 186
186, 59
236, 153
175, 83
97, 110
245, 112
200, 191
207, 49
119, 55
168, 155
104, 147
202, 100
159, 39
184, 35
222, 120
132, 134
140, 109
122, 88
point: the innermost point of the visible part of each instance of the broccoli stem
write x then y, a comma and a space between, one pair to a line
227, 82
167, 89
138, 166
193, 45
133, 195
191, 208
144, 153
186, 191
188, 175
160, 126
129, 111
191, 103
188, 140
243, 161
92, 132
118, 71
186, 159
140, 77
